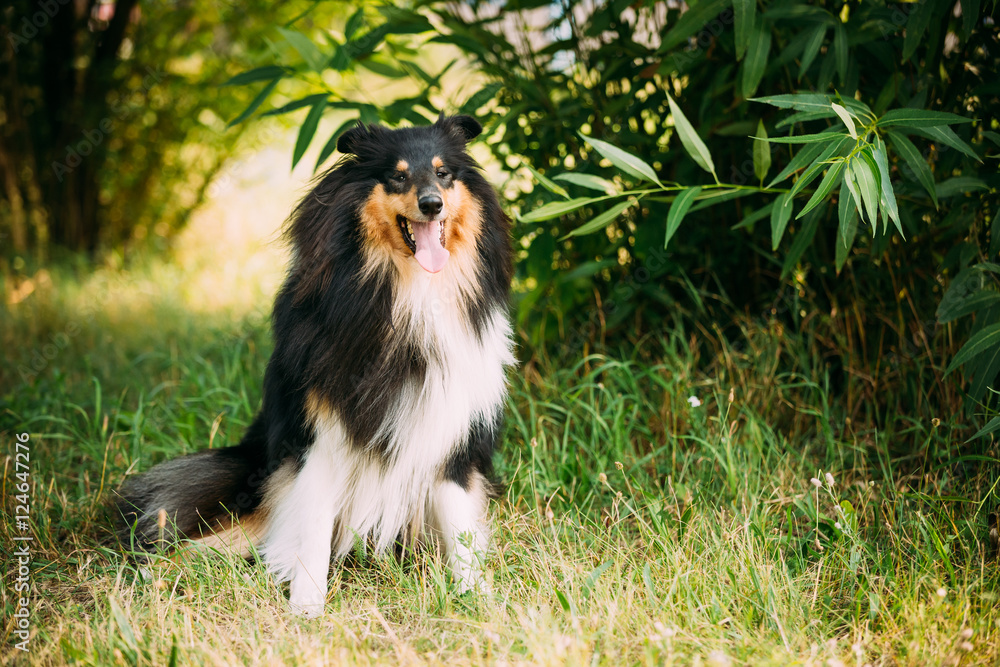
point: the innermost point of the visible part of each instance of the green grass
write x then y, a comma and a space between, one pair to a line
636, 528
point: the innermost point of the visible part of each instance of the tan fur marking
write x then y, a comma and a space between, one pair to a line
316, 410
239, 534
378, 220
464, 226
402, 165
437, 162
384, 243
232, 536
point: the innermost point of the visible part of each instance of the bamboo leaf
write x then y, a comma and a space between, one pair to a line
623, 160
745, 16
254, 104
558, 208
689, 138
919, 118
807, 177
761, 152
811, 50
822, 137
916, 26
846, 117
304, 46
356, 21
855, 191
307, 131
813, 102
801, 159
841, 52
382, 69
547, 183
307, 101
991, 426
755, 63
847, 229
865, 181
780, 215
759, 214
888, 196
259, 74
978, 300
947, 136
678, 211
829, 182
970, 14
869, 159
804, 117
959, 185
916, 162
481, 97
691, 21
588, 181
980, 342
602, 220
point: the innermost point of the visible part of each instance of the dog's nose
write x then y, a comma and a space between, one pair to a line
430, 204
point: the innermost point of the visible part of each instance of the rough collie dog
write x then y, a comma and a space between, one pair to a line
384, 395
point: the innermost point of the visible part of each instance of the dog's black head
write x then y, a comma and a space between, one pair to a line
419, 207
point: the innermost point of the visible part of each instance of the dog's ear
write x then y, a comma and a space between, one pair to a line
356, 137
466, 127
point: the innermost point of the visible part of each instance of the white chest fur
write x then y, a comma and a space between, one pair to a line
361, 494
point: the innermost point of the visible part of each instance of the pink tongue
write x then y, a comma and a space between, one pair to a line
430, 254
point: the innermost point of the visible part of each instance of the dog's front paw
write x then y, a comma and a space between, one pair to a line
307, 605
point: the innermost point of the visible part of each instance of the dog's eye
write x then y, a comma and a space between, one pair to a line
442, 173
399, 177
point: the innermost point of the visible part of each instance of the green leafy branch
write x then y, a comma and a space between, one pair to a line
362, 45
851, 157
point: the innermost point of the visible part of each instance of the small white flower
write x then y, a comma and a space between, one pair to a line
942, 592
829, 479
694, 401
838, 526
815, 482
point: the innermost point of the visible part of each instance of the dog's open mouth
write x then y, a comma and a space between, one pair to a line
426, 241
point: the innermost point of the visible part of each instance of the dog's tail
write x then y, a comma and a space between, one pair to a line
216, 497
